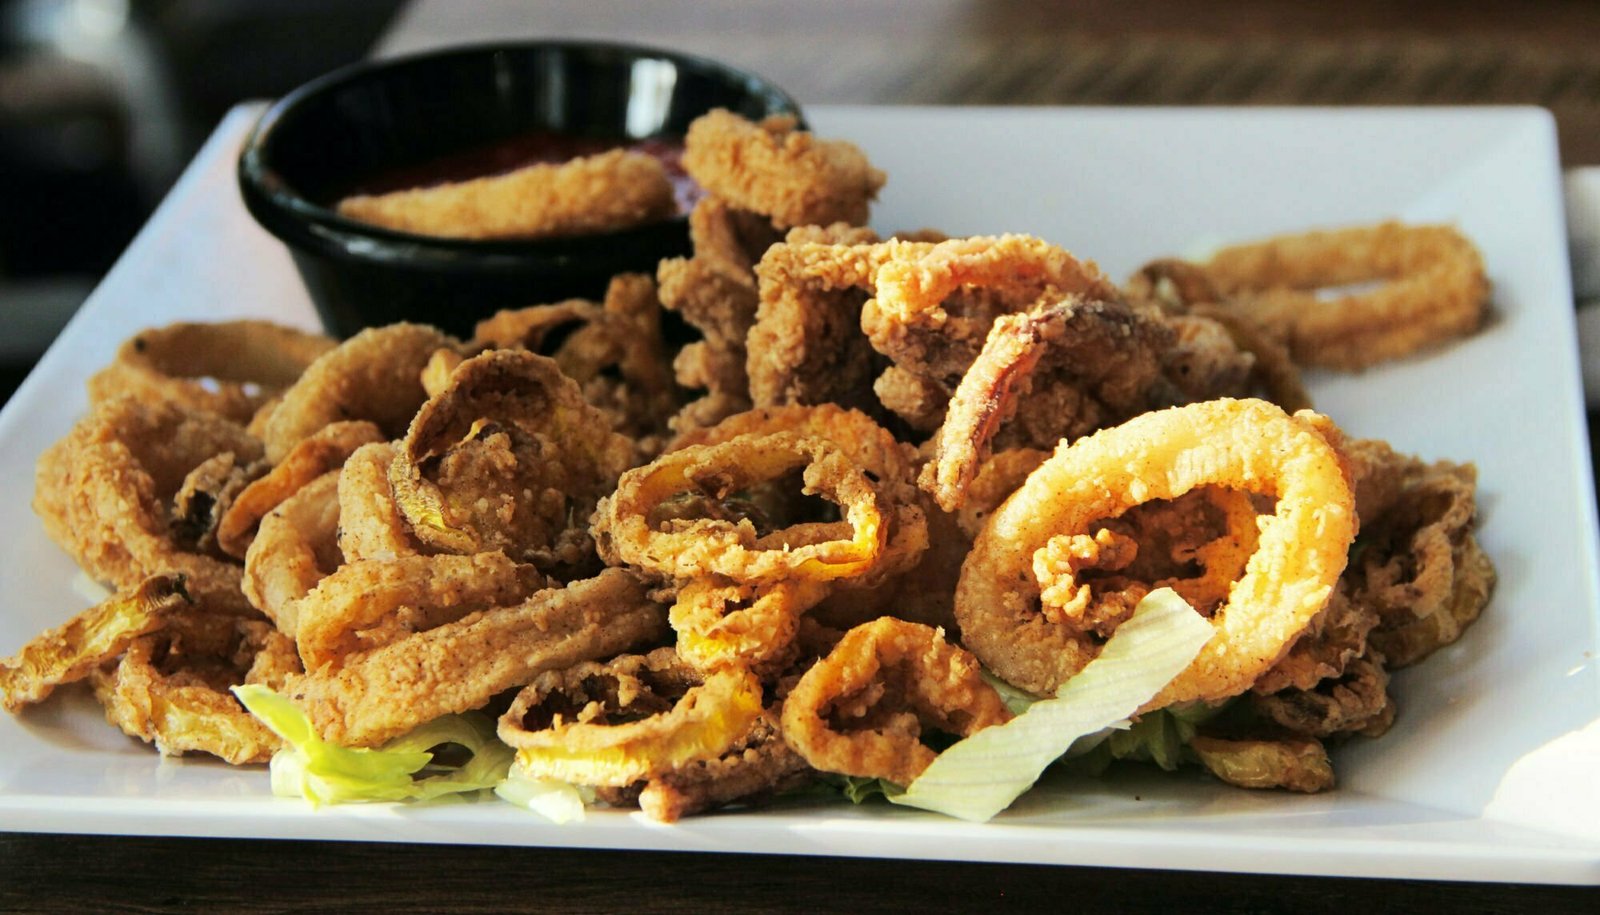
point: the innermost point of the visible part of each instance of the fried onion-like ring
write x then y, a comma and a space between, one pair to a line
228, 367
1242, 444
637, 716
889, 463
758, 766
366, 604
324, 450
171, 687
780, 172
627, 531
505, 458
96, 636
934, 303
1104, 365
375, 375
1434, 288
370, 523
389, 690
725, 624
296, 547
105, 493
862, 709
606, 192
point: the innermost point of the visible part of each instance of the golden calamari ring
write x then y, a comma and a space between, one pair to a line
228, 367
375, 375
1434, 287
687, 549
861, 710
137, 456
171, 686
296, 547
588, 729
362, 605
1244, 444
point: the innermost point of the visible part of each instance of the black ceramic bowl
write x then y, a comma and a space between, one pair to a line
377, 118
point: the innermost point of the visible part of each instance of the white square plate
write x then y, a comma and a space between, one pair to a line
1476, 781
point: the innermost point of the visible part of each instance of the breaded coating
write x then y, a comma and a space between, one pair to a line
780, 172
601, 193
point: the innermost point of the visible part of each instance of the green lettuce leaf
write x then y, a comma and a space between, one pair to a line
981, 775
400, 770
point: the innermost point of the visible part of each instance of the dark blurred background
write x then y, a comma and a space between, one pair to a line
102, 102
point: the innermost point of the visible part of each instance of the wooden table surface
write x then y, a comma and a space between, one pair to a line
1100, 52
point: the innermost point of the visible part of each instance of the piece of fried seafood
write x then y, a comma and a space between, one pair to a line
1418, 566
1055, 372
864, 708
171, 686
1297, 764
779, 171
1030, 603
935, 303
107, 493
714, 291
375, 375
654, 732
321, 452
606, 192
367, 604
296, 547
510, 457
97, 636
670, 518
1218, 350
207, 493
1431, 286
721, 619
228, 367
613, 350
889, 465
370, 523
806, 345
381, 692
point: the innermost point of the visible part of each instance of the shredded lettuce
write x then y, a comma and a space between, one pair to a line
981, 775
553, 799
1161, 737
400, 770
859, 789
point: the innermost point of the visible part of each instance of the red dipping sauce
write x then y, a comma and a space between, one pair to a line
541, 148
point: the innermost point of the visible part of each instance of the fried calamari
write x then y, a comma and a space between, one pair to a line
606, 192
